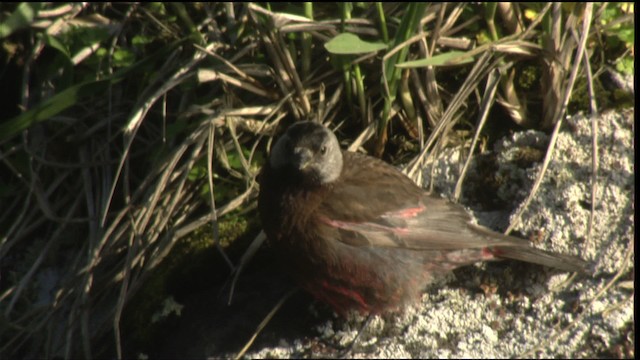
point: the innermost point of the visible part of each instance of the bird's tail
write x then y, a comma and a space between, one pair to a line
537, 256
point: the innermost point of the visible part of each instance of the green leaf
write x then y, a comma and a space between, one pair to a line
234, 158
625, 66
351, 44
72, 95
446, 59
50, 107
56, 44
123, 58
175, 128
627, 35
197, 172
21, 17
140, 40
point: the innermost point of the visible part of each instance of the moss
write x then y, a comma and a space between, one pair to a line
527, 156
529, 77
147, 316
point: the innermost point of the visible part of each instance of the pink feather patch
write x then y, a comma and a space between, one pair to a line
407, 213
351, 226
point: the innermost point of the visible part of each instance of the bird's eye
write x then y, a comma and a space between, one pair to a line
323, 149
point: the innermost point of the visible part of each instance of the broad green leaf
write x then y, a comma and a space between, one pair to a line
626, 35
625, 66
446, 59
71, 95
351, 44
50, 107
21, 17
140, 40
197, 172
56, 44
123, 58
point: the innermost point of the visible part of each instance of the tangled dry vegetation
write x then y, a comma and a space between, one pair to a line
118, 119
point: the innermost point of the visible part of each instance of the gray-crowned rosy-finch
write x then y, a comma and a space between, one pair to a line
358, 234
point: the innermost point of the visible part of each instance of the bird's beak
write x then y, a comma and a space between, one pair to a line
303, 157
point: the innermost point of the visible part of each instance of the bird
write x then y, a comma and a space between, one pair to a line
359, 235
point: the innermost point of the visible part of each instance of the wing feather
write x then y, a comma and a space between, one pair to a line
384, 208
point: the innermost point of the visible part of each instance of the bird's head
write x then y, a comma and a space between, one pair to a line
309, 150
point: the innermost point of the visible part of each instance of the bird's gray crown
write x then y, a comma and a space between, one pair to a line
310, 149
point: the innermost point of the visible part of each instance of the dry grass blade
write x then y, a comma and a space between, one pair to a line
205, 75
279, 19
487, 101
286, 73
447, 26
594, 149
23, 333
214, 218
19, 228
478, 72
244, 260
515, 220
509, 14
139, 114
511, 103
264, 323
434, 105
395, 51
561, 50
121, 299
518, 47
558, 119
184, 230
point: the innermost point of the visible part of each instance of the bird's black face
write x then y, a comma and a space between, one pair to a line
309, 149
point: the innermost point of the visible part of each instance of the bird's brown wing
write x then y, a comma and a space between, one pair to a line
374, 204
